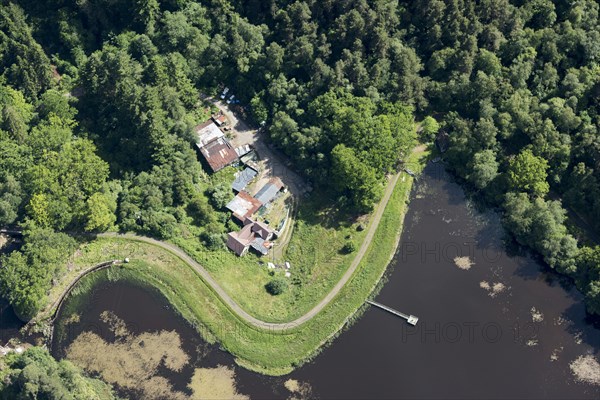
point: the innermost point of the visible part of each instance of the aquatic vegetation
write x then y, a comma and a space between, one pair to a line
132, 361
215, 383
493, 289
464, 263
536, 315
299, 390
586, 369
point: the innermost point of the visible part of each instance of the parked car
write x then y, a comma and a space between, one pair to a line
231, 99
224, 92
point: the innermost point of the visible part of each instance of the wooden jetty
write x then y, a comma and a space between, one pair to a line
411, 319
410, 172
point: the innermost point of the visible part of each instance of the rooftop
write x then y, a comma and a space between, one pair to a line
253, 234
243, 178
219, 119
218, 153
243, 206
243, 150
268, 192
261, 245
238, 242
207, 132
261, 230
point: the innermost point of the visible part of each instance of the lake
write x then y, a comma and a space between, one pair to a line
493, 321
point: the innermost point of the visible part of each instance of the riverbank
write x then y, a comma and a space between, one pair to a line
269, 351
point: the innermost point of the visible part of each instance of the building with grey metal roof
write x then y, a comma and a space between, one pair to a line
243, 179
268, 192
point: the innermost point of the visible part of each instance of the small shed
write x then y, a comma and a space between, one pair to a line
243, 179
219, 120
268, 192
243, 150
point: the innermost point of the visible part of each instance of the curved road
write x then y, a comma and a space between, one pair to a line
235, 307
209, 280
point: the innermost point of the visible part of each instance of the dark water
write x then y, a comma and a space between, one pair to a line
142, 310
9, 322
470, 342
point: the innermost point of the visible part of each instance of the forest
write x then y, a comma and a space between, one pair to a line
34, 374
99, 99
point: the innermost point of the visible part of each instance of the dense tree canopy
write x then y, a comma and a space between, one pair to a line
34, 374
99, 100
26, 275
527, 173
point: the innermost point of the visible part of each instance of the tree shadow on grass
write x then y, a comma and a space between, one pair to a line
323, 209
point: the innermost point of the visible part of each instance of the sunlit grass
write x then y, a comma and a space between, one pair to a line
273, 353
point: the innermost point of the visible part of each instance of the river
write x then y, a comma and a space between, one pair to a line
493, 321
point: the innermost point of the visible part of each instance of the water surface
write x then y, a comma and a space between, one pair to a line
502, 326
9, 322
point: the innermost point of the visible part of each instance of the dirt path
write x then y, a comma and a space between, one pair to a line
274, 163
245, 135
236, 308
209, 280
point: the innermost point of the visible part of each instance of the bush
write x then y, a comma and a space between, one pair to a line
159, 224
349, 247
276, 286
213, 241
430, 128
199, 209
34, 374
220, 195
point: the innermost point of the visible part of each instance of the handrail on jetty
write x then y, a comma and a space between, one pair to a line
411, 319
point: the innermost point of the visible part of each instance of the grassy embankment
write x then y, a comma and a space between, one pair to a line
273, 353
314, 252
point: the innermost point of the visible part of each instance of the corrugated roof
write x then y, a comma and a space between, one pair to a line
243, 205
218, 153
207, 132
268, 192
243, 179
260, 245
243, 150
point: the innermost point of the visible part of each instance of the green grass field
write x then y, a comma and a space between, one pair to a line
272, 353
314, 253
